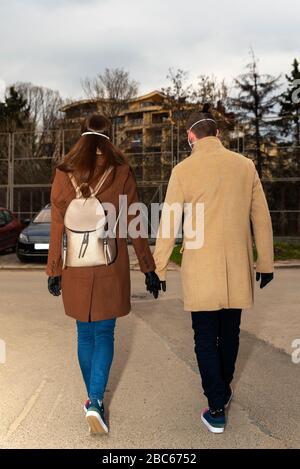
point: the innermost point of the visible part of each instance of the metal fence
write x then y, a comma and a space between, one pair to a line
27, 161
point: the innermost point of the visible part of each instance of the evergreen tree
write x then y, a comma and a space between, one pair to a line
254, 103
290, 126
14, 111
290, 108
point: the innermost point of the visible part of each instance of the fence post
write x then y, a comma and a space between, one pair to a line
160, 193
11, 156
62, 144
172, 145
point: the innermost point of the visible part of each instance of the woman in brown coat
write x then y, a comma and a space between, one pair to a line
95, 295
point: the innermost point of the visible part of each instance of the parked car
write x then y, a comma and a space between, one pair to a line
10, 228
34, 240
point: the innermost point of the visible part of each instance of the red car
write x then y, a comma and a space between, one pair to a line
10, 228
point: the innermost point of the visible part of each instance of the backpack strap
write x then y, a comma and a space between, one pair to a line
97, 187
75, 185
101, 182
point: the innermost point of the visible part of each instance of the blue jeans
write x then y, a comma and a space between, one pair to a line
95, 354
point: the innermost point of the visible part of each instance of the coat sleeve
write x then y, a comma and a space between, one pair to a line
140, 244
54, 263
169, 224
262, 228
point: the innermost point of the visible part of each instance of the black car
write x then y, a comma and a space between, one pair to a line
34, 240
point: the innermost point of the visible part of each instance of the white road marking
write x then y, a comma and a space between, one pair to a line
27, 408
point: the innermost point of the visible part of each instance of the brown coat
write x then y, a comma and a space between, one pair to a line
99, 292
220, 273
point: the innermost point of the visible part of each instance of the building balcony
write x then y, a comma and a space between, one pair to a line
134, 123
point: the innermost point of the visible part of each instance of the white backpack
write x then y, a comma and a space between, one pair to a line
84, 240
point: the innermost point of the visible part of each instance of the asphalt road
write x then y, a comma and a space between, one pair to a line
154, 395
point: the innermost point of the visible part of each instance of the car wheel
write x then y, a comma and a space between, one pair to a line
23, 259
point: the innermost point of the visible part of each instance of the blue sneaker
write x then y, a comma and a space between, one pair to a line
96, 418
214, 421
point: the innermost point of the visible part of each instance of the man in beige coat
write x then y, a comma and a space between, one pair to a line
220, 194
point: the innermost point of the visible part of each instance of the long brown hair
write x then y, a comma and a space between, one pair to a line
82, 158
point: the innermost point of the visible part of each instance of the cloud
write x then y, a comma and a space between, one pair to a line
57, 43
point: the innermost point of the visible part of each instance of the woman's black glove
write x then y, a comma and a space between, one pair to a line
264, 278
153, 284
54, 285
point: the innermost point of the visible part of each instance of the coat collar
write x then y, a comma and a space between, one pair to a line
206, 144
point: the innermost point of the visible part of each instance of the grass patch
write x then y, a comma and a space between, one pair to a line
282, 251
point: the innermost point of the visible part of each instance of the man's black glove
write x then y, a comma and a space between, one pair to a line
54, 285
153, 284
264, 278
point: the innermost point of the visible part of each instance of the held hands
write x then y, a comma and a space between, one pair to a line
264, 278
54, 285
153, 284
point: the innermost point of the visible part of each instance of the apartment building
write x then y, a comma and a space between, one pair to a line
142, 129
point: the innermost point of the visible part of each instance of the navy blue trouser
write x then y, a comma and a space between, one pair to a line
216, 336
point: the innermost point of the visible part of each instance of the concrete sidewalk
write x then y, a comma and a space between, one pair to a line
154, 395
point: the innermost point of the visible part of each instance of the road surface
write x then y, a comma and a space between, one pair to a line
154, 395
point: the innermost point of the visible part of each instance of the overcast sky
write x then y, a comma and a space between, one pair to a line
56, 43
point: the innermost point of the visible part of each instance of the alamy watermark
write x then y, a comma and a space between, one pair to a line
180, 221
296, 92
296, 352
2, 351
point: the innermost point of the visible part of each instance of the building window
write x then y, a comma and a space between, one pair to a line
160, 118
148, 104
136, 118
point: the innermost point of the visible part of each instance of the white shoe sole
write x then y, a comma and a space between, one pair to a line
210, 428
95, 422
85, 411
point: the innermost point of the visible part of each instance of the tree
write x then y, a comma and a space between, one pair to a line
44, 105
255, 103
14, 111
113, 89
210, 90
290, 124
178, 96
290, 107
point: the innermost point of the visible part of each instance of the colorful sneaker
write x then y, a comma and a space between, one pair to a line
228, 397
214, 421
95, 418
86, 405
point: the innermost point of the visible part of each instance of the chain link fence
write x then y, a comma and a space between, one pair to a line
27, 162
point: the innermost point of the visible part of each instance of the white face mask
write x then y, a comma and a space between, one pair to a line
201, 120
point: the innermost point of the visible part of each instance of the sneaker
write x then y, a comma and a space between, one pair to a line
86, 405
95, 418
214, 421
228, 397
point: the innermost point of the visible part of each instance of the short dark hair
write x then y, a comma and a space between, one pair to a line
207, 128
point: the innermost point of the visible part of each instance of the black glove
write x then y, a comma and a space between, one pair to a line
153, 284
54, 285
264, 278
